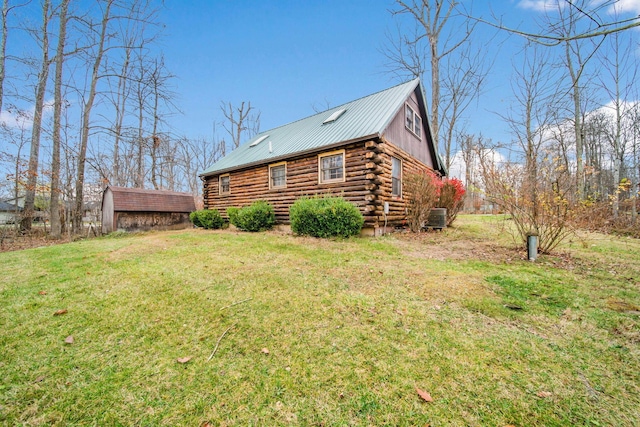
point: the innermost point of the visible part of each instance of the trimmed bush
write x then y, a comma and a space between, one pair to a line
208, 219
259, 216
232, 213
325, 217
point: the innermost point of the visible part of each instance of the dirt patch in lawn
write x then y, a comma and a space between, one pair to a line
439, 246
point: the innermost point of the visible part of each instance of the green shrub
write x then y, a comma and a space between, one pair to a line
207, 218
232, 213
325, 217
259, 216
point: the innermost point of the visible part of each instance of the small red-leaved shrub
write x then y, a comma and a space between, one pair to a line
451, 197
426, 190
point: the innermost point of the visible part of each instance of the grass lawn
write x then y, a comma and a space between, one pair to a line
319, 332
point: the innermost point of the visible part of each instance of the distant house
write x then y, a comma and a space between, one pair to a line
8, 214
361, 150
134, 209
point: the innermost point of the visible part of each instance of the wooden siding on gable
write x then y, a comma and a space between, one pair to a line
407, 140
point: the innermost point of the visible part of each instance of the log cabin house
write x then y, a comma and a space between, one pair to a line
360, 150
136, 209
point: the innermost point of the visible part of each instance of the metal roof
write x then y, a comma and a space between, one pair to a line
362, 118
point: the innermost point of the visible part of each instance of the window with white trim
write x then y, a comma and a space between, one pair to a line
413, 122
331, 167
396, 177
278, 175
225, 184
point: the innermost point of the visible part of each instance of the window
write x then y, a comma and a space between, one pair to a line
413, 122
224, 184
278, 175
418, 126
331, 166
409, 117
396, 177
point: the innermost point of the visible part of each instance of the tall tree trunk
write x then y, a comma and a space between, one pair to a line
56, 226
121, 103
3, 46
577, 121
156, 141
43, 75
86, 120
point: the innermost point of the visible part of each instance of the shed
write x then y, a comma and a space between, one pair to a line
135, 209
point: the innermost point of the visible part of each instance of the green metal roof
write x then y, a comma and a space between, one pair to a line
362, 118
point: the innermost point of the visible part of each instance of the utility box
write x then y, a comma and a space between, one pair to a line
437, 218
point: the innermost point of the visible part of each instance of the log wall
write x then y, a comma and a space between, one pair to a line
367, 183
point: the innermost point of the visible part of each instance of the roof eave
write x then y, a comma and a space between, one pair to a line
288, 156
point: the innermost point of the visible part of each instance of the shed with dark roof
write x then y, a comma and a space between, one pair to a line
135, 209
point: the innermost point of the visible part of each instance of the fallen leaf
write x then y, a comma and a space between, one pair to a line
544, 394
183, 359
42, 292
424, 395
69, 339
513, 307
60, 312
206, 424
39, 379
265, 350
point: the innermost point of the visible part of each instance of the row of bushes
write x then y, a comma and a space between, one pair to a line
335, 217
316, 216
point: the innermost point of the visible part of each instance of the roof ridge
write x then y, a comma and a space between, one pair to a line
266, 132
146, 190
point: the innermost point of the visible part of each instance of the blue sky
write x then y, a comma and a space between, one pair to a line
284, 57
288, 56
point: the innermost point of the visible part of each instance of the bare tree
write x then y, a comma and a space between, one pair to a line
240, 123
437, 35
159, 82
4, 25
622, 72
3, 45
56, 226
19, 138
587, 13
120, 102
41, 87
101, 32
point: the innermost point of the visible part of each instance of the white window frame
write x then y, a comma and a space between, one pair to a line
414, 127
320, 170
276, 165
221, 192
396, 195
